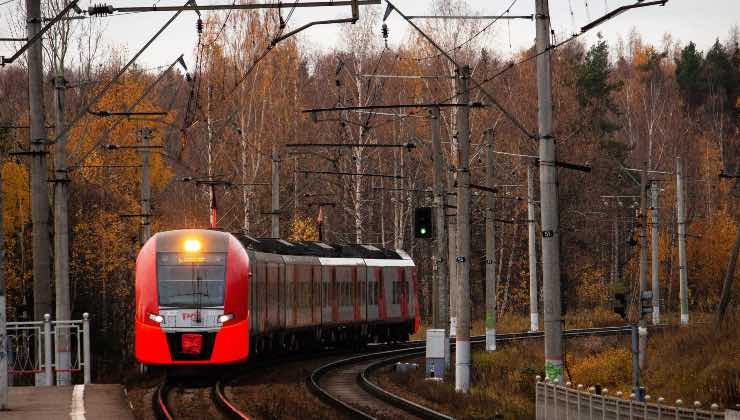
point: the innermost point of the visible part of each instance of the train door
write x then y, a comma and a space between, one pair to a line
392, 292
291, 293
327, 274
316, 288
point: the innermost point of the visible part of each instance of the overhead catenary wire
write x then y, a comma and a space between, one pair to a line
466, 42
584, 29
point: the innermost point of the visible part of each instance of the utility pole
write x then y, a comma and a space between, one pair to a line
642, 222
490, 247
534, 316
462, 340
654, 253
681, 216
146, 192
3, 321
61, 235
275, 213
441, 282
615, 248
39, 186
548, 201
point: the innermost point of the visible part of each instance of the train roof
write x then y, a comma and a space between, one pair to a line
318, 249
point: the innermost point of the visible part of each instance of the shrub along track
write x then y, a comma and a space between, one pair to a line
346, 383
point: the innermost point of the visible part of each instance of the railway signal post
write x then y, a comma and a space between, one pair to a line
548, 201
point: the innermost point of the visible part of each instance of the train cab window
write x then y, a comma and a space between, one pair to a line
184, 281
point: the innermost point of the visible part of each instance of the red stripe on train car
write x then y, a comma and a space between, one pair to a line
403, 284
381, 291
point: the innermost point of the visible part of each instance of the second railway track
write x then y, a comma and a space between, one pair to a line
347, 383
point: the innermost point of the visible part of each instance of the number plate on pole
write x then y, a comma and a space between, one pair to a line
548, 233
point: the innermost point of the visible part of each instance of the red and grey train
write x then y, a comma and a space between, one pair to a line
212, 297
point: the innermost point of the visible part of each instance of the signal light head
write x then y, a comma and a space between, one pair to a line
192, 245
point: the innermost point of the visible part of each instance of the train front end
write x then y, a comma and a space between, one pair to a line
191, 299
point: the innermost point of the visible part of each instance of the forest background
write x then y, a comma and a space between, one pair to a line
616, 106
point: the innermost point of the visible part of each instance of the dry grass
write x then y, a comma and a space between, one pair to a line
694, 363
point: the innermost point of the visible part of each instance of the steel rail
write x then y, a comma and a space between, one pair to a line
162, 409
224, 404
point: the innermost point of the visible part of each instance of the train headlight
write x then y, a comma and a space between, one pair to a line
192, 245
225, 317
156, 318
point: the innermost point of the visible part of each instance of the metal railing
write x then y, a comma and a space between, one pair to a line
558, 402
31, 349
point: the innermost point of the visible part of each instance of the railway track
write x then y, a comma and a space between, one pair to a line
346, 383
164, 411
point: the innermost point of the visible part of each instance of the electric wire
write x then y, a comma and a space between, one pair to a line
466, 42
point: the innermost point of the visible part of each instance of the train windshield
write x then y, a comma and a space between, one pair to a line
191, 281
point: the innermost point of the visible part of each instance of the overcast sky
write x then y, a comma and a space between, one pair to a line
686, 20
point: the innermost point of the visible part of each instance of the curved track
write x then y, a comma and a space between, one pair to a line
346, 383
163, 410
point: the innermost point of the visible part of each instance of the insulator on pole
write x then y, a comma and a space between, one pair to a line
384, 31
199, 26
100, 10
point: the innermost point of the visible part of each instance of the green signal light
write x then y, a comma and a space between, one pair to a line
423, 231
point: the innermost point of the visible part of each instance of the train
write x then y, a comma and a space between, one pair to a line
209, 297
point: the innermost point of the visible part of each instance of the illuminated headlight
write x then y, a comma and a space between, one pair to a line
225, 317
156, 318
192, 245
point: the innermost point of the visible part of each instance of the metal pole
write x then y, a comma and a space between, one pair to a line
86, 347
534, 316
453, 288
490, 247
635, 358
275, 214
681, 214
548, 201
3, 321
39, 178
61, 237
462, 341
48, 372
146, 227
643, 259
442, 302
654, 254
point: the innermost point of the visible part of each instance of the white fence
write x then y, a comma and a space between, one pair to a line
32, 350
558, 402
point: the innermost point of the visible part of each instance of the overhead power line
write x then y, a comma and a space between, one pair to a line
350, 174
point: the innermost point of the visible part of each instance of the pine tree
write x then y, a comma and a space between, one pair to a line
688, 75
594, 89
